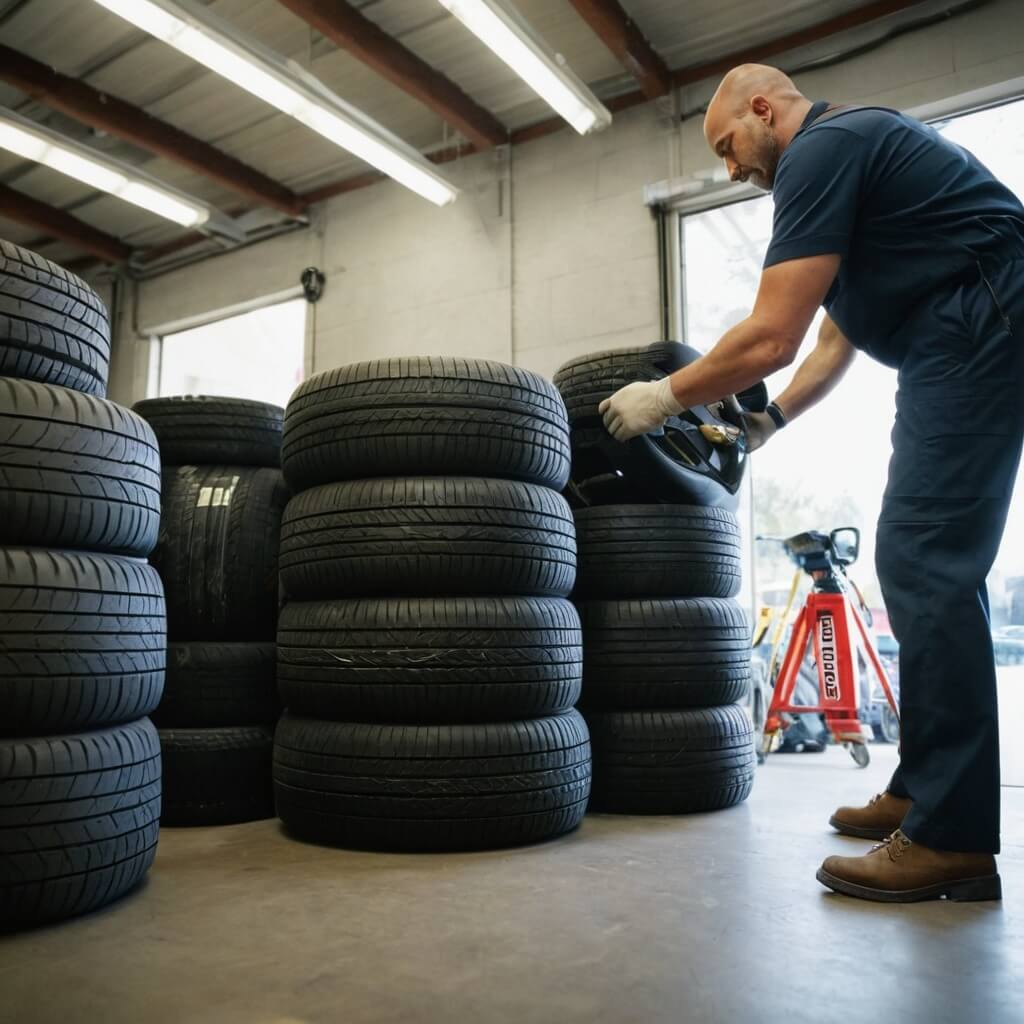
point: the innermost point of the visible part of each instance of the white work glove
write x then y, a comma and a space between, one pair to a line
760, 428
639, 408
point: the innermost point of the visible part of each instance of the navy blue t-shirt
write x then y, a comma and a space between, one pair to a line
905, 208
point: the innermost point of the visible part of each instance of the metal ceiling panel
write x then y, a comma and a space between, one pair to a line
704, 30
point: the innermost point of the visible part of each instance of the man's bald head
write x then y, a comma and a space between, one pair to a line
752, 117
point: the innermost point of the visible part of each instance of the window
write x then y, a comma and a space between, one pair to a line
259, 355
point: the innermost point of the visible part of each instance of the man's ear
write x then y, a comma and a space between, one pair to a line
762, 109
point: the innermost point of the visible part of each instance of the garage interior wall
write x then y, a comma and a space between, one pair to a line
549, 252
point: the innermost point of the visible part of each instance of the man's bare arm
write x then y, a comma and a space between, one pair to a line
819, 373
789, 295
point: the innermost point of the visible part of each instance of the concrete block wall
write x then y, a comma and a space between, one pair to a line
549, 252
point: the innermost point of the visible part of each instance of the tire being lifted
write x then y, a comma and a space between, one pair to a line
422, 417
54, 328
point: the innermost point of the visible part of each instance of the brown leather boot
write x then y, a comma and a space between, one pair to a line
899, 871
878, 820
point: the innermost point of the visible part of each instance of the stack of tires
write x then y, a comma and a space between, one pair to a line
666, 648
82, 622
223, 497
427, 654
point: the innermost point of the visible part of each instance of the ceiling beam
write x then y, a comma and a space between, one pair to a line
109, 114
351, 30
695, 73
56, 223
617, 30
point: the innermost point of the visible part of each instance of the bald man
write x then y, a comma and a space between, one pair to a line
917, 254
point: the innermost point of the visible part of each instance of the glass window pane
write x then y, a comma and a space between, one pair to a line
258, 355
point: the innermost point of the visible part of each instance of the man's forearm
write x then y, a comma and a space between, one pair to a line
819, 373
745, 355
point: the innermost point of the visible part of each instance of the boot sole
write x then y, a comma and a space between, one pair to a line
859, 832
961, 890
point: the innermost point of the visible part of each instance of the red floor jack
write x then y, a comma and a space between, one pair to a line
833, 622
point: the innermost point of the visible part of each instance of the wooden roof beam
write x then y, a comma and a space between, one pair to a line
109, 114
351, 30
621, 35
56, 223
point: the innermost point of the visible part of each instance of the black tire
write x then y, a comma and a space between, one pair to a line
206, 430
82, 641
218, 548
587, 381
54, 328
431, 787
657, 551
671, 762
483, 659
212, 684
79, 820
426, 416
430, 536
76, 472
217, 776
694, 652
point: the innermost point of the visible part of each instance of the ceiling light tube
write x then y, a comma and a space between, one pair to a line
282, 83
500, 26
32, 141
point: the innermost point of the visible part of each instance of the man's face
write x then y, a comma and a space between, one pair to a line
747, 145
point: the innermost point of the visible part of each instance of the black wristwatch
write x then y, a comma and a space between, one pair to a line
777, 415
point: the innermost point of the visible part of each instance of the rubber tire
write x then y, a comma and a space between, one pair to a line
79, 820
217, 776
426, 416
54, 328
218, 551
694, 652
671, 762
484, 659
76, 472
211, 684
588, 380
82, 641
657, 551
428, 536
431, 787
206, 430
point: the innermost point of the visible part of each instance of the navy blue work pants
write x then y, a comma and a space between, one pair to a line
956, 447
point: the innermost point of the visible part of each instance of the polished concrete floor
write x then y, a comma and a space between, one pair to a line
629, 921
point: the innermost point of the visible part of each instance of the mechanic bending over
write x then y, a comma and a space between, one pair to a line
917, 254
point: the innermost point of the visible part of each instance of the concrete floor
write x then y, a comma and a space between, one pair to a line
629, 921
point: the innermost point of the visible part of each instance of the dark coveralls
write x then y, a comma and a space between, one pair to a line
932, 283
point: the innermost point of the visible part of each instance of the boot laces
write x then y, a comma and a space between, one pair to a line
895, 845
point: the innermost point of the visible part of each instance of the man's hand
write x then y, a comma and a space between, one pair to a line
639, 408
759, 428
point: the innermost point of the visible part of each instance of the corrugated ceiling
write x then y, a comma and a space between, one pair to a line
81, 39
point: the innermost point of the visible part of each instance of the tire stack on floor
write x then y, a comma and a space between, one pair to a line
223, 496
427, 655
666, 648
82, 622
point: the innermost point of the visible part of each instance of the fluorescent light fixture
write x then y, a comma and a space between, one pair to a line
33, 142
286, 85
503, 29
